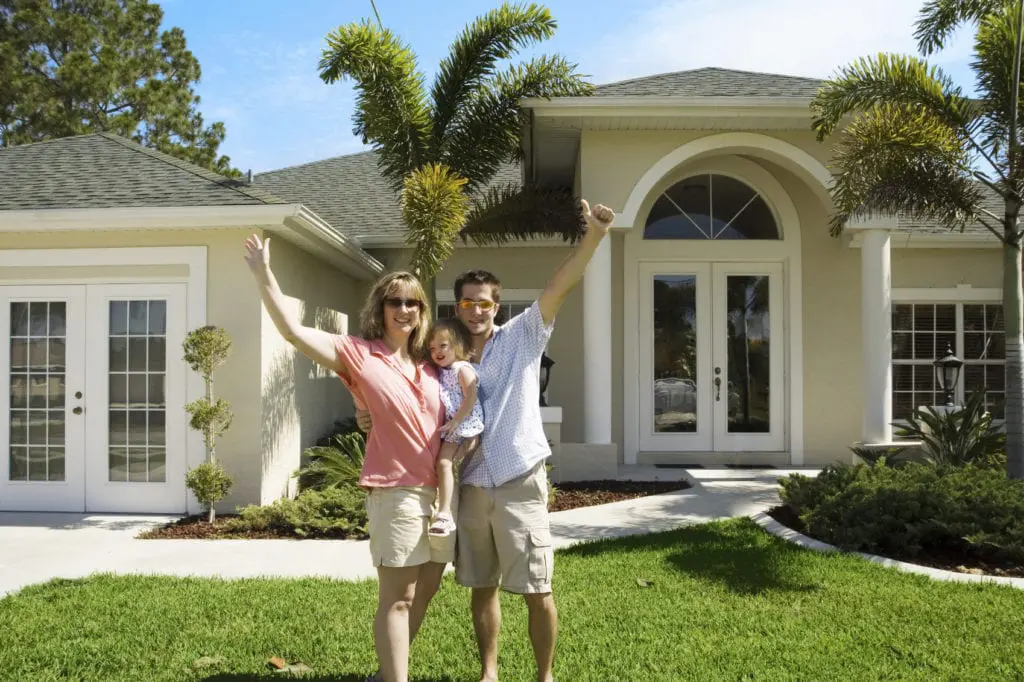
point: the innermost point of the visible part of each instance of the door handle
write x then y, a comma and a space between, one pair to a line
718, 389
78, 410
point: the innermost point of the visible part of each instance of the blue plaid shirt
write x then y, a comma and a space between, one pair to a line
509, 390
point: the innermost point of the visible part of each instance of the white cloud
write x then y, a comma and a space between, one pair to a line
792, 37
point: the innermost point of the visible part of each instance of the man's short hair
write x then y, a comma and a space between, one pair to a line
478, 277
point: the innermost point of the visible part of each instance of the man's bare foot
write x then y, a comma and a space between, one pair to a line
489, 678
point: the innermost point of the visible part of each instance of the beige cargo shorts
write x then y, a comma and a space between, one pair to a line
504, 538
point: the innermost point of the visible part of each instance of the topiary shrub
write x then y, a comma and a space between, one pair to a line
206, 349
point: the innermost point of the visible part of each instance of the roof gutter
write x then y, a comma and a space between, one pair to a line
303, 225
315, 226
657, 106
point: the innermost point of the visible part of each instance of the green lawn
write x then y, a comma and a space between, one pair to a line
727, 602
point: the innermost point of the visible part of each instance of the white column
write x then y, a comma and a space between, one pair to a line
597, 346
876, 325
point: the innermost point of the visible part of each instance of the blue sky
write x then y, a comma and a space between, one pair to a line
259, 57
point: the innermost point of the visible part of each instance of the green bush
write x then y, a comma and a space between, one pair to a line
958, 437
912, 509
209, 482
334, 513
338, 464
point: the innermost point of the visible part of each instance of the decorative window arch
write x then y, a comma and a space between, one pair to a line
711, 206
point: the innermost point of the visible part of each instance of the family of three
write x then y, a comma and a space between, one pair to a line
430, 395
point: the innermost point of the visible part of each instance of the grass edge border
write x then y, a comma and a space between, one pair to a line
786, 533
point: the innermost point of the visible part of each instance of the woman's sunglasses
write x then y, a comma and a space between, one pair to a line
399, 302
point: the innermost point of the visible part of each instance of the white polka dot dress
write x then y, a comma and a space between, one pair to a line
451, 396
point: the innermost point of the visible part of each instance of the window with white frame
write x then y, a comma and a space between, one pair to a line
922, 333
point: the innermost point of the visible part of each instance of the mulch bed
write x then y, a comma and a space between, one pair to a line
196, 528
568, 496
589, 493
948, 559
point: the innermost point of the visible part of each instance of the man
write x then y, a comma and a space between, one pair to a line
504, 539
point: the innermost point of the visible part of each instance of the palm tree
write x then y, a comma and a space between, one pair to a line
918, 146
439, 151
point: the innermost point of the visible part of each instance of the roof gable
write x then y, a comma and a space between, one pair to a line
350, 193
712, 82
102, 170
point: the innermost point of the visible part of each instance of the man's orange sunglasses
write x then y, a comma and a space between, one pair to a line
466, 304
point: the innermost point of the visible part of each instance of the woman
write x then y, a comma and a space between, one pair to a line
388, 373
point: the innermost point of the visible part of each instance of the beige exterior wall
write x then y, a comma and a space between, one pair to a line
520, 267
238, 380
612, 162
301, 400
262, 448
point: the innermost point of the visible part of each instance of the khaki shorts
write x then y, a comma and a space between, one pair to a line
504, 536
398, 521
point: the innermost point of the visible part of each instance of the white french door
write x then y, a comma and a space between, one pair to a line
93, 391
711, 357
42, 384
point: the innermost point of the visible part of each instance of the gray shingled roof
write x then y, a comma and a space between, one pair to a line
712, 82
992, 201
350, 193
102, 170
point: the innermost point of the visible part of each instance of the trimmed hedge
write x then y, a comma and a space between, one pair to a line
911, 510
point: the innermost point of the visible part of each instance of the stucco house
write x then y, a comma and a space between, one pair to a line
720, 324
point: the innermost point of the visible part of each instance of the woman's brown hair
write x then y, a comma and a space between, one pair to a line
371, 319
459, 338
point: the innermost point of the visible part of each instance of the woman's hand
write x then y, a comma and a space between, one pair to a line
257, 253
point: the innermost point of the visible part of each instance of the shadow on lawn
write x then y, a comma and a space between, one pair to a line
341, 677
716, 553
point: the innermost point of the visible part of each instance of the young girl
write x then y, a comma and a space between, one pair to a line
450, 346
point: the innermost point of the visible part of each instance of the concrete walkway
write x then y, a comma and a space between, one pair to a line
36, 547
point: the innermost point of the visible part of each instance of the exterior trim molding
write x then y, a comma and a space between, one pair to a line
195, 257
795, 107
930, 240
723, 143
787, 251
962, 293
292, 221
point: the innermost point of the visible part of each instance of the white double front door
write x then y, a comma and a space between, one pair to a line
711, 357
92, 387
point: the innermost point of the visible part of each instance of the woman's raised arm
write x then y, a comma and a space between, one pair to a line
315, 344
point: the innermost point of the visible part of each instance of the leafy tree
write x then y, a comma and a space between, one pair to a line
70, 67
440, 150
918, 146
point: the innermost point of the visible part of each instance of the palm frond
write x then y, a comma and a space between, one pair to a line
486, 131
495, 36
995, 45
890, 79
434, 205
391, 107
898, 159
940, 18
510, 212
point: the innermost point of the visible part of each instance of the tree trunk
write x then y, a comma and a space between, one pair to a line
1013, 299
211, 446
211, 515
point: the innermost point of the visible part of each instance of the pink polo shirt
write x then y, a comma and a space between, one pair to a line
403, 444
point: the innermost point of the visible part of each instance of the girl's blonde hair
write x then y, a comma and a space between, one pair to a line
371, 319
458, 337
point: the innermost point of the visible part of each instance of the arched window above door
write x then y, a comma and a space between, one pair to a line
710, 206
